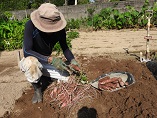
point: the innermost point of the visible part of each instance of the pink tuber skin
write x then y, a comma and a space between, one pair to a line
108, 83
70, 93
108, 80
75, 67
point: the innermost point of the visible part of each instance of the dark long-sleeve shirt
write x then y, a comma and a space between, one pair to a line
40, 44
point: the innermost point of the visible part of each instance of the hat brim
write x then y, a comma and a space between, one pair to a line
47, 27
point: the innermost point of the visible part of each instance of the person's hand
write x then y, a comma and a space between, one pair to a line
58, 63
75, 65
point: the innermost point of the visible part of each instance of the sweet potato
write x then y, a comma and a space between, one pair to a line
103, 87
121, 82
108, 86
107, 79
112, 85
76, 68
108, 83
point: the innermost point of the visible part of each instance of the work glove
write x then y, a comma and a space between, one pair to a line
74, 65
58, 63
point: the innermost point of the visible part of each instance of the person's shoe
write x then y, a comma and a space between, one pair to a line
37, 97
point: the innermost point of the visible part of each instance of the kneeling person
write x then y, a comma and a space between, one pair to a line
42, 32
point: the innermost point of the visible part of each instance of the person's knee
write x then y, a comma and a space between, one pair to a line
32, 68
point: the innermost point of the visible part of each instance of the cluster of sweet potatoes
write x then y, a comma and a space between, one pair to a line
108, 83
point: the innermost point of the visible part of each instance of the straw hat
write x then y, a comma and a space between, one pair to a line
47, 18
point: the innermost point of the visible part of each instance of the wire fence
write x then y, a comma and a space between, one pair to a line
22, 5
11, 5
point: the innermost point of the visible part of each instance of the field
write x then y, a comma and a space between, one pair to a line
98, 53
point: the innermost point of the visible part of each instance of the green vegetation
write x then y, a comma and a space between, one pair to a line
8, 5
11, 34
109, 18
83, 78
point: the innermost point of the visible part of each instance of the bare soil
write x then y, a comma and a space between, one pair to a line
98, 53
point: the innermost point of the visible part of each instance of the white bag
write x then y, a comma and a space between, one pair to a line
32, 68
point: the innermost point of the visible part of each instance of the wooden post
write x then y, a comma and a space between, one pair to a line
18, 58
149, 14
75, 2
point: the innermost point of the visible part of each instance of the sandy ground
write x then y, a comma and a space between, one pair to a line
13, 82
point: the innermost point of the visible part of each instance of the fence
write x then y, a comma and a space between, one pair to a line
78, 11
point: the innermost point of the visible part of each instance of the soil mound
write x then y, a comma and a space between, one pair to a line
135, 101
